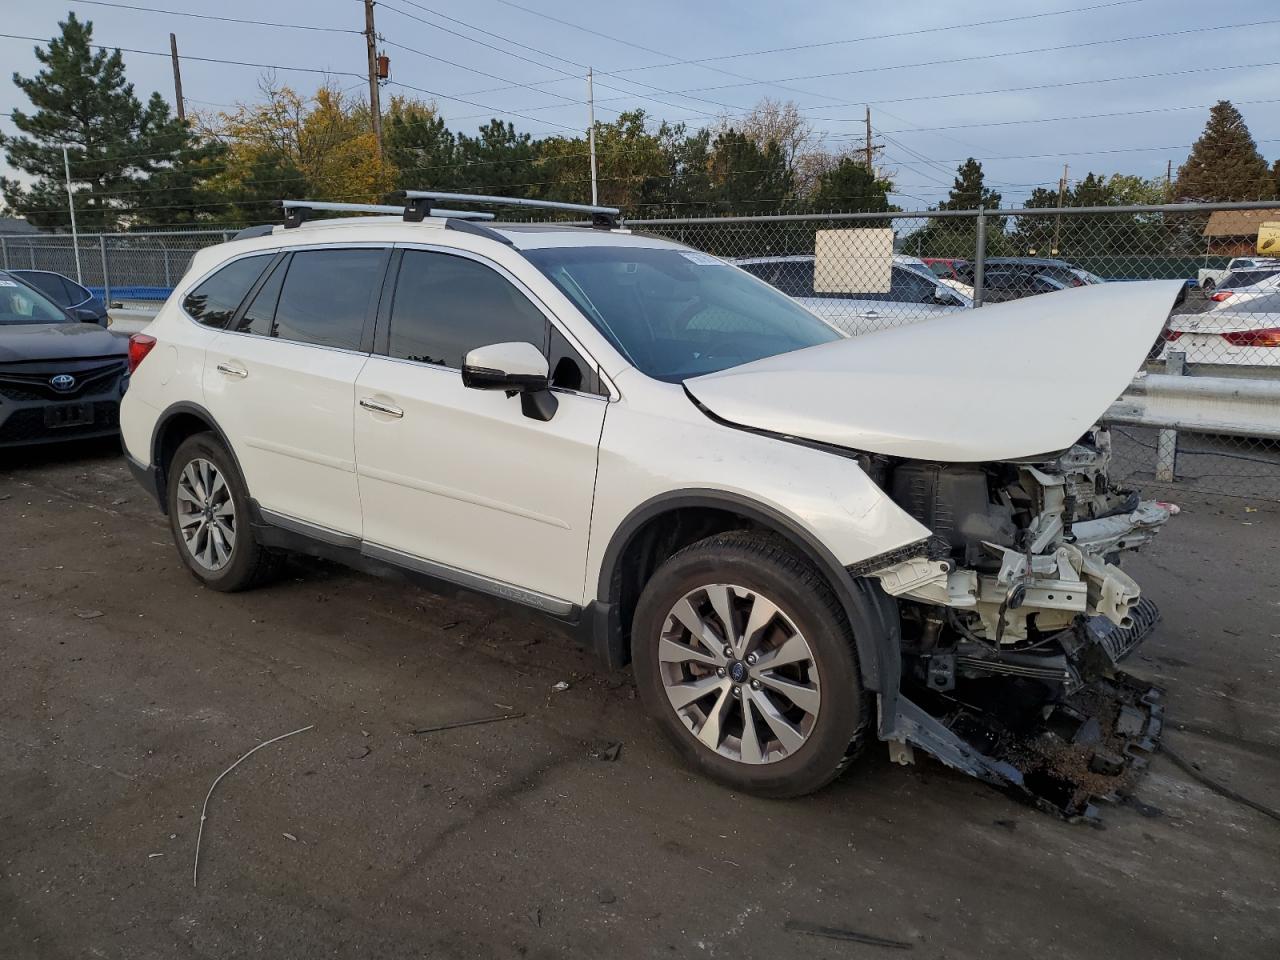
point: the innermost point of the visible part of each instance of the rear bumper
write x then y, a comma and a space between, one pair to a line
148, 478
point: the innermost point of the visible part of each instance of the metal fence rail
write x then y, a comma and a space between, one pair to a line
944, 263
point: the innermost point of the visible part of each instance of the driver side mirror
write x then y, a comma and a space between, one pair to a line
944, 295
515, 368
84, 314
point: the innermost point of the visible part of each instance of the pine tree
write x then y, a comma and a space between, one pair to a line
1224, 164
968, 192
849, 187
116, 145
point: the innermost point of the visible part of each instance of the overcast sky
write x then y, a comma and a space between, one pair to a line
1202, 52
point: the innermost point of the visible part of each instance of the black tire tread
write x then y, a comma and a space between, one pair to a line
768, 550
263, 564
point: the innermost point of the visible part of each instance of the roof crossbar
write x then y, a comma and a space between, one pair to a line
297, 212
419, 204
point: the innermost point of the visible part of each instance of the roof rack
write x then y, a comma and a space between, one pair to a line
418, 204
297, 212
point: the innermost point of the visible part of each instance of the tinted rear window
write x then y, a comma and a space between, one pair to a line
214, 301
1246, 278
326, 296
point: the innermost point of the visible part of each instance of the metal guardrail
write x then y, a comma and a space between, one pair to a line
1224, 406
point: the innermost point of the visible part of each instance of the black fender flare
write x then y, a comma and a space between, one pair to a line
872, 614
162, 421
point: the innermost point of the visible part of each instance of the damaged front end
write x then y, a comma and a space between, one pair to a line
1015, 616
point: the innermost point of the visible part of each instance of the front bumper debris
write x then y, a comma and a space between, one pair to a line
1064, 756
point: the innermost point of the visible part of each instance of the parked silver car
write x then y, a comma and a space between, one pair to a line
912, 295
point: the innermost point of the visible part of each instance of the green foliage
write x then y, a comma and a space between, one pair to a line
1224, 164
126, 158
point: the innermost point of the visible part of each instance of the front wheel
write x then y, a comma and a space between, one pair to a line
744, 657
209, 517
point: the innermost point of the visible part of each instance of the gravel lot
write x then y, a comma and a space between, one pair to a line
125, 689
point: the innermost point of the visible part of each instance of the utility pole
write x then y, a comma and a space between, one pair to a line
177, 80
71, 207
375, 105
1057, 221
1168, 181
591, 136
870, 148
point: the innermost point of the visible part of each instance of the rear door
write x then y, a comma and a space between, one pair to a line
462, 478
280, 381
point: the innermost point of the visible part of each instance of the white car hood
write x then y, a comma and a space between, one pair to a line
1011, 380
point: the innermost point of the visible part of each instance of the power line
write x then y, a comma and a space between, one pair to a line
187, 56
948, 28
210, 16
973, 58
657, 53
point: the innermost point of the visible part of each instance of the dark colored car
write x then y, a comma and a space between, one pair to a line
1011, 278
61, 375
66, 293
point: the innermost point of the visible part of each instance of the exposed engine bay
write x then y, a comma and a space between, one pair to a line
1015, 617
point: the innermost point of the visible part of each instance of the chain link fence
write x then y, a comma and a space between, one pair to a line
142, 267
866, 272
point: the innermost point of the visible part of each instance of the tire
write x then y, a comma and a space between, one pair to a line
670, 666
228, 557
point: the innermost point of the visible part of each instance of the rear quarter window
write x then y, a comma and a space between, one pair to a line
217, 298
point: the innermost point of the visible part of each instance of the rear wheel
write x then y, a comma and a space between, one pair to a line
744, 657
209, 517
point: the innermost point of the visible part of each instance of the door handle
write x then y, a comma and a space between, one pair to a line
231, 370
378, 407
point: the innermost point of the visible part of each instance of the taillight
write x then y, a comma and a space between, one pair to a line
1270, 337
1077, 282
1172, 335
1222, 295
139, 346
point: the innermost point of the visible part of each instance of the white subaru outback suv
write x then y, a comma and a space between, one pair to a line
793, 536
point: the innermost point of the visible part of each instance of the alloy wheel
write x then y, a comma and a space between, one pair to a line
739, 674
206, 514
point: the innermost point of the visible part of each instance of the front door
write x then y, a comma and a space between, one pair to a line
281, 381
462, 478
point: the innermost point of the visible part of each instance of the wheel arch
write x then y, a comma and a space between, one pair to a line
178, 422
663, 524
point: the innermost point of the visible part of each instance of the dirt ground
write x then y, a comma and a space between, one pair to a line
125, 689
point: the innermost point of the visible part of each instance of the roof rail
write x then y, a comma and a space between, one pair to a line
418, 204
297, 212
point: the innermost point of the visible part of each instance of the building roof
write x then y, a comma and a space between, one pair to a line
15, 225
1238, 223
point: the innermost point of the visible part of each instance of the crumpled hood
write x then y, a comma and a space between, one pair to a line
1010, 380
57, 341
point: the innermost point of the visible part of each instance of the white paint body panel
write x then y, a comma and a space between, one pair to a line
465, 479
656, 442
994, 384
290, 421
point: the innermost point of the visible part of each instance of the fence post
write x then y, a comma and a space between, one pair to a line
106, 277
1167, 440
4, 249
979, 256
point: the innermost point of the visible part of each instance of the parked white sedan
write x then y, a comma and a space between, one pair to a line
912, 295
1235, 331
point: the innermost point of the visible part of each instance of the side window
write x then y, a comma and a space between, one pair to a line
260, 317
910, 287
445, 306
76, 294
325, 297
50, 284
214, 301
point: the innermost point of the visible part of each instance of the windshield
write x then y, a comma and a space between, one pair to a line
20, 304
676, 313
1245, 278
